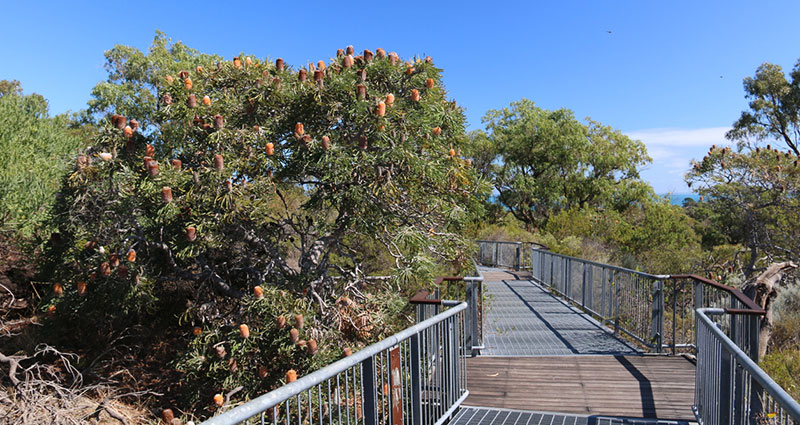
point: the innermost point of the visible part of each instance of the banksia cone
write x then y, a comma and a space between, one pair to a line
305, 140
362, 142
452, 152
229, 185
410, 70
291, 376
51, 310
299, 130
176, 164
428, 59
166, 194
81, 288
393, 58
258, 292
219, 122
795, 163
722, 164
105, 156
244, 330
166, 99
81, 162
183, 74
132, 255
197, 330
167, 416
301, 344
437, 131
362, 74
199, 69
192, 101
468, 161
280, 322
758, 150
415, 95
389, 99
301, 75
299, 321
248, 61
191, 234
134, 124
113, 259
321, 65
118, 121
429, 83
380, 53
219, 400
769, 147
221, 353
312, 347
58, 290
187, 83
339, 52
381, 109
347, 351
270, 149
294, 335
368, 55
361, 90
219, 162
149, 150
326, 142
347, 61
206, 100
318, 76
279, 64
349, 50
262, 372
237, 62
169, 79
104, 269
122, 271
152, 168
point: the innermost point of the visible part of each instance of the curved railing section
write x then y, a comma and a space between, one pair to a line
415, 377
730, 388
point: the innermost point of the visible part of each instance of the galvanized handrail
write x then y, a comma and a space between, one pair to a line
730, 387
414, 377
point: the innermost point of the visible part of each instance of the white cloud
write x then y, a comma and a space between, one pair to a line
681, 137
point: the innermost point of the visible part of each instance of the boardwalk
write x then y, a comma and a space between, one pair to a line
544, 355
523, 319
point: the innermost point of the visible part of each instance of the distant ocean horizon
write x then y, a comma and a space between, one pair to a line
677, 198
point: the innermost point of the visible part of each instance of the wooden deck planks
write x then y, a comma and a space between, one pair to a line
634, 386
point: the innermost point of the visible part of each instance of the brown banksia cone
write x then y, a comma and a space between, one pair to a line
176, 164
183, 75
166, 99
263, 372
279, 64
321, 65
166, 194
82, 161
347, 61
197, 330
361, 91
119, 121
270, 149
393, 58
428, 59
113, 259
429, 83
291, 376
123, 271
152, 168
58, 289
134, 124
312, 347
299, 130
389, 99
339, 52
81, 288
368, 55
228, 185
410, 70
149, 150
219, 162
192, 101
280, 322
301, 75
167, 416
326, 142
299, 321
305, 140
349, 50
362, 74
319, 76
294, 335
277, 82
347, 351
415, 95
104, 269
237, 62
380, 53
219, 122
132, 255
362, 142
381, 109
191, 234
244, 330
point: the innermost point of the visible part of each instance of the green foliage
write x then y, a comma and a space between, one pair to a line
784, 368
547, 161
287, 179
35, 149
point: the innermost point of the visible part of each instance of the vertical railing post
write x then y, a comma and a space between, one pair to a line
416, 380
657, 316
368, 388
495, 254
583, 286
518, 264
725, 384
756, 391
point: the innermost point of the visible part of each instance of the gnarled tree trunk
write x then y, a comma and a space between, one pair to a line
762, 289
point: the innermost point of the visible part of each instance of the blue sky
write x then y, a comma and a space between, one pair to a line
669, 73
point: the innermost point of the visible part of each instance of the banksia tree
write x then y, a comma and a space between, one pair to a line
281, 183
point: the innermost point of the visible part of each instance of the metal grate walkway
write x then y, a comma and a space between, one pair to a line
522, 319
483, 416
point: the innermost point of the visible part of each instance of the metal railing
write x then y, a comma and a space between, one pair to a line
468, 288
415, 377
730, 388
515, 255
